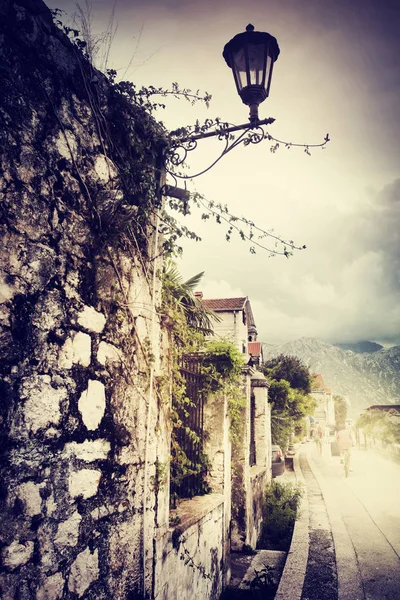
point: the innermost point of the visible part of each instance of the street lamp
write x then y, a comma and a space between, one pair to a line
251, 56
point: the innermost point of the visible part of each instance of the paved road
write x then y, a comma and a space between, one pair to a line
364, 512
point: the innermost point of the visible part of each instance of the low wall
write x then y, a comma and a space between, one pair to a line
190, 559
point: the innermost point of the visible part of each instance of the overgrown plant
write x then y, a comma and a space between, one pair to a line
279, 511
289, 395
219, 366
187, 323
222, 365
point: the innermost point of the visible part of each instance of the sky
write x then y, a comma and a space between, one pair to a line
339, 73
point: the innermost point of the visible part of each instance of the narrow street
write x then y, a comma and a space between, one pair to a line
364, 515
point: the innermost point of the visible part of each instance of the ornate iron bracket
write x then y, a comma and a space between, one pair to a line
251, 133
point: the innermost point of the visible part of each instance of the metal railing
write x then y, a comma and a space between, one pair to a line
188, 470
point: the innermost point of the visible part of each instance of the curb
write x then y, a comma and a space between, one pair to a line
292, 580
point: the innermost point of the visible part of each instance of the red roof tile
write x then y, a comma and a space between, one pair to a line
222, 304
319, 383
254, 348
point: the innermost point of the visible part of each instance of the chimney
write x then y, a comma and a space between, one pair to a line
198, 295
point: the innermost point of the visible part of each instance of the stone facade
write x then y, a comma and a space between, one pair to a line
236, 321
81, 428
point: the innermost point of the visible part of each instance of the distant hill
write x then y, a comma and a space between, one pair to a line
365, 378
360, 347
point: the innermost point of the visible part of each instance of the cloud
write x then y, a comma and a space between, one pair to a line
345, 287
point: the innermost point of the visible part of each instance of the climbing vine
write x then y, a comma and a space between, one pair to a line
222, 365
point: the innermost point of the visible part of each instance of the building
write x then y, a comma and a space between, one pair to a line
251, 454
325, 409
236, 323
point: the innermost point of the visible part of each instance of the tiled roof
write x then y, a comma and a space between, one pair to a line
319, 383
222, 304
254, 348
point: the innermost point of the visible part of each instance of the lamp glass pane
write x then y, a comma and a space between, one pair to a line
256, 53
239, 67
268, 74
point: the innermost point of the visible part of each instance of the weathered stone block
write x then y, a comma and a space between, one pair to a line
91, 319
42, 405
84, 570
76, 350
6, 291
84, 483
29, 493
104, 168
88, 450
108, 353
52, 589
17, 554
92, 404
68, 532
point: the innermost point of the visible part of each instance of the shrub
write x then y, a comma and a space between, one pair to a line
280, 505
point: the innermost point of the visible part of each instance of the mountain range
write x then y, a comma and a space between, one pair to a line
364, 376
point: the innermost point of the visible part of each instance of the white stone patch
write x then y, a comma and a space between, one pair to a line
66, 145
52, 433
92, 404
68, 532
52, 589
5, 319
84, 570
17, 554
104, 168
88, 450
29, 493
107, 352
51, 505
42, 406
84, 483
76, 350
91, 319
7, 292
51, 312
100, 512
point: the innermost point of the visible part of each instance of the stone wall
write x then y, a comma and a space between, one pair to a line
80, 338
190, 558
249, 482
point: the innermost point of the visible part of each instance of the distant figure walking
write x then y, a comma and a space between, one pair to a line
319, 434
345, 441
